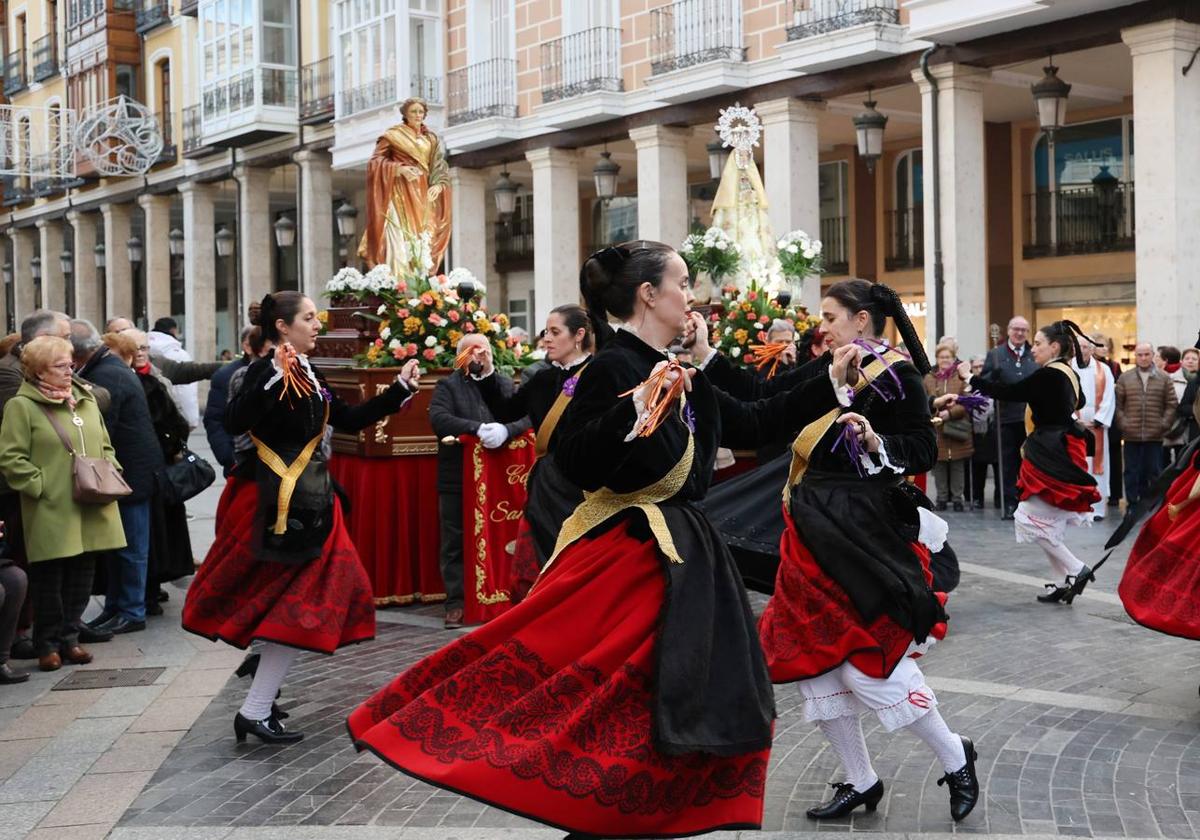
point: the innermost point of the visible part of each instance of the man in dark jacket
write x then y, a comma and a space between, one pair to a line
1146, 404
133, 438
457, 408
1014, 360
219, 440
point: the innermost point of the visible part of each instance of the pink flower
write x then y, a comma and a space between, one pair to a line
714, 317
764, 320
402, 313
402, 286
411, 348
430, 354
400, 353
379, 342
762, 337
453, 315
752, 295
427, 299
468, 327
437, 320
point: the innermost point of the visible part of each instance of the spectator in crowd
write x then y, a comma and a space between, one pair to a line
1146, 405
122, 344
164, 341
457, 408
812, 345
1116, 472
219, 440
951, 342
14, 585
60, 533
1169, 360
1013, 361
8, 343
1191, 396
116, 325
1096, 417
955, 443
1189, 361
132, 433
984, 453
243, 445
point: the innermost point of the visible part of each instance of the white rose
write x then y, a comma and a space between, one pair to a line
816, 245
394, 343
382, 309
735, 352
413, 303
385, 333
728, 330
720, 246
430, 340
793, 248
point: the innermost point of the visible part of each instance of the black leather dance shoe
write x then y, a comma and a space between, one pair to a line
964, 784
1055, 593
846, 799
269, 731
249, 666
1078, 582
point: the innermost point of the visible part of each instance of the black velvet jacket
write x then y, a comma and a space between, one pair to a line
533, 399
712, 690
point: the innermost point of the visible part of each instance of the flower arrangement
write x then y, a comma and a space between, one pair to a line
799, 256
712, 252
350, 284
746, 319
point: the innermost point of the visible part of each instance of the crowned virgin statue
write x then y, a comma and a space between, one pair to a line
408, 194
740, 206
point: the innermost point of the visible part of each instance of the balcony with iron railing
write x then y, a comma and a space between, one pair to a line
1091, 219
170, 151
428, 88
88, 18
819, 17
193, 132
250, 105
692, 32
904, 238
316, 91
45, 58
374, 94
479, 91
835, 244
582, 63
15, 79
514, 244
152, 14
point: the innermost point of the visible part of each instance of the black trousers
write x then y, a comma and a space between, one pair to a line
1116, 478
13, 586
60, 590
450, 556
1143, 463
1012, 436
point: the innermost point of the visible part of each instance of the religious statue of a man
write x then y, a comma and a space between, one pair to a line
408, 193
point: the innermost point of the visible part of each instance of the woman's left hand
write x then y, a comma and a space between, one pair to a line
410, 376
695, 336
866, 435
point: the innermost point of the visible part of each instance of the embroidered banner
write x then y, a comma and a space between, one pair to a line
493, 498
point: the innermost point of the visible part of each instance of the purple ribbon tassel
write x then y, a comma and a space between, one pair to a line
568, 386
888, 391
689, 417
326, 395
975, 404
848, 440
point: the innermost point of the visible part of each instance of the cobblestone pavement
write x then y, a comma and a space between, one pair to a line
1086, 724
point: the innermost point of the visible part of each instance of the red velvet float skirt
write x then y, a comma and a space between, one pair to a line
1062, 494
237, 598
545, 711
810, 626
1161, 585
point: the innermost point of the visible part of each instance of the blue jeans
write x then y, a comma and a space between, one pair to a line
126, 595
1143, 463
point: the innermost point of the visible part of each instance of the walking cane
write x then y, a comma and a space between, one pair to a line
994, 332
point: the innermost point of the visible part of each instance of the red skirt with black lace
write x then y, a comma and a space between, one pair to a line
237, 598
546, 711
1063, 493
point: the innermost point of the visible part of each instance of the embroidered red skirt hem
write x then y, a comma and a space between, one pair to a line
1079, 498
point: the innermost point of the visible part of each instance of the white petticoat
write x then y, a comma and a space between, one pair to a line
898, 700
1036, 519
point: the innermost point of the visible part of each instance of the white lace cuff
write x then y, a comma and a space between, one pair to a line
873, 468
845, 393
933, 530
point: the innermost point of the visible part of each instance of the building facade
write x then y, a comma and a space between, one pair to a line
270, 110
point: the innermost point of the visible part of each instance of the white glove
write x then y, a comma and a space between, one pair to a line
493, 435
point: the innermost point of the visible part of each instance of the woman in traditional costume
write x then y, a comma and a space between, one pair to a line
1054, 485
283, 570
544, 398
408, 194
853, 601
627, 695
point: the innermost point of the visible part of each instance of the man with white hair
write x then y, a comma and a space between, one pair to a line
1013, 360
1099, 389
1146, 404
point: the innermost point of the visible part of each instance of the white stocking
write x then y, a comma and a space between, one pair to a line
845, 735
1061, 559
932, 729
273, 666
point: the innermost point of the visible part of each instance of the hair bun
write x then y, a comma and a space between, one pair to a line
266, 310
883, 295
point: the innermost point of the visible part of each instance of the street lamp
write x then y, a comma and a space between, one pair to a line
347, 219
66, 262
224, 240
175, 242
35, 268
1050, 98
285, 231
605, 173
717, 155
7, 273
868, 128
98, 252
505, 191
134, 250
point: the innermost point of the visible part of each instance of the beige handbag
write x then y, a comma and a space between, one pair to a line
97, 481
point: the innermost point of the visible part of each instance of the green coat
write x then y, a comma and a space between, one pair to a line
36, 464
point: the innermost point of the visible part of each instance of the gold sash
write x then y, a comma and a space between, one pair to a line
288, 474
810, 435
546, 430
1065, 368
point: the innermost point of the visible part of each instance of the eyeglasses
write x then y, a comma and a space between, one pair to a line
144, 348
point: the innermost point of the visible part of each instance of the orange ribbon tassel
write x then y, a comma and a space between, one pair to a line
464, 358
295, 382
662, 399
763, 355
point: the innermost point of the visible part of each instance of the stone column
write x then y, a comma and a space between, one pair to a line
54, 290
118, 288
468, 235
555, 230
24, 246
1166, 122
86, 277
791, 174
255, 236
156, 244
199, 270
662, 183
316, 227
963, 205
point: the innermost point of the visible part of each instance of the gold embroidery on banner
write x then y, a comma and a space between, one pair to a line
381, 426
500, 596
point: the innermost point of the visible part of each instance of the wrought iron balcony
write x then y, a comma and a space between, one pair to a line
191, 8
428, 88
45, 58
835, 244
1091, 219
169, 152
193, 132
514, 244
365, 97
152, 14
316, 91
905, 238
694, 32
486, 89
261, 86
820, 17
15, 79
581, 63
